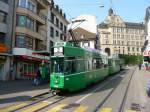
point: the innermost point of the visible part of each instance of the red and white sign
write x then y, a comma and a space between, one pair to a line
27, 52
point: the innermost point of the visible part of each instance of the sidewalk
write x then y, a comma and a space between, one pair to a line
19, 91
137, 91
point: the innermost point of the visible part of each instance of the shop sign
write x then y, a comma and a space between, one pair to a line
40, 56
3, 48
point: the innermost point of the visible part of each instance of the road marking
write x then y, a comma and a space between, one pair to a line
81, 109
106, 110
12, 107
36, 107
130, 111
57, 108
81, 99
48, 102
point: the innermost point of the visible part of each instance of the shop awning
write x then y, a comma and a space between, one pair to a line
34, 59
5, 54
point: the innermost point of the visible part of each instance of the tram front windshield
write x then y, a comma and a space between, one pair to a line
57, 65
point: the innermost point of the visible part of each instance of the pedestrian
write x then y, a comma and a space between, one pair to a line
38, 79
140, 66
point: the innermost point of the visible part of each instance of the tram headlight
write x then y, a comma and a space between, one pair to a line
56, 81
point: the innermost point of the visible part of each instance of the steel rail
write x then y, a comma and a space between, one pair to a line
110, 93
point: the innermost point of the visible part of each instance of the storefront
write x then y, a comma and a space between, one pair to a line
26, 63
5, 59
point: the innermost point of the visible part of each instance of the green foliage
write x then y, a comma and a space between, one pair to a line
131, 59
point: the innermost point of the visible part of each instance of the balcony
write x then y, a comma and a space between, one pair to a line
29, 32
37, 17
41, 4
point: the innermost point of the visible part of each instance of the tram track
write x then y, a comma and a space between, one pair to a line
121, 108
55, 99
37, 99
41, 99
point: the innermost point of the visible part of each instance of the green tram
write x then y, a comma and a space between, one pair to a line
74, 68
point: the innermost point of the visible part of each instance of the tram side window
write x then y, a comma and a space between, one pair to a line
97, 63
74, 66
57, 66
110, 62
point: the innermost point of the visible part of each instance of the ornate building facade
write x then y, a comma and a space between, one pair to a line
119, 37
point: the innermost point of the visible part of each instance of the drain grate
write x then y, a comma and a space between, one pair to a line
136, 107
71, 106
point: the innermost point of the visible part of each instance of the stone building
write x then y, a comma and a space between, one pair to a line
36, 25
120, 37
6, 20
56, 26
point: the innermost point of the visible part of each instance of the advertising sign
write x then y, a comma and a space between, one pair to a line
3, 48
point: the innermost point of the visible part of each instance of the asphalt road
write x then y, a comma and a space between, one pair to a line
110, 95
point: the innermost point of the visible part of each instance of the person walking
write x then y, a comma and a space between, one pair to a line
38, 79
140, 65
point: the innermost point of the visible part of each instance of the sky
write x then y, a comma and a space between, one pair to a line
128, 10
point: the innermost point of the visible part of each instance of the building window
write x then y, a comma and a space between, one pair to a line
123, 50
132, 48
65, 29
50, 46
31, 6
20, 41
61, 36
57, 22
114, 42
128, 48
118, 36
128, 42
65, 38
61, 26
30, 23
3, 17
122, 42
114, 36
24, 21
118, 42
57, 33
122, 36
24, 42
119, 50
137, 49
52, 17
22, 3
21, 20
2, 37
52, 32
6, 1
